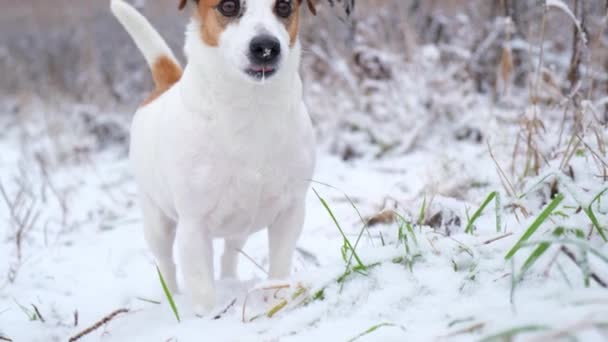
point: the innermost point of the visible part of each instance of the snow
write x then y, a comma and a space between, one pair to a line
460, 287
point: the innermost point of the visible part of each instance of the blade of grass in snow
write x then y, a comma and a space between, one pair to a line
508, 335
346, 241
533, 187
151, 301
498, 210
536, 224
585, 268
578, 243
168, 295
352, 203
422, 212
372, 329
593, 218
598, 198
477, 214
538, 252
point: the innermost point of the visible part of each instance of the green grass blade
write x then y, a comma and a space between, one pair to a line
593, 218
536, 224
498, 210
168, 295
333, 217
509, 334
536, 254
539, 251
595, 223
578, 243
598, 197
422, 212
371, 330
477, 214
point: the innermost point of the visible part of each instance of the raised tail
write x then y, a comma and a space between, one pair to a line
165, 68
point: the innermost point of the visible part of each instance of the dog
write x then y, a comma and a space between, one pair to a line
224, 147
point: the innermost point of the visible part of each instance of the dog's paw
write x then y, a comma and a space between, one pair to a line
204, 303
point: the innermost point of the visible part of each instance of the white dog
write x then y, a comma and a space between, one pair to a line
226, 147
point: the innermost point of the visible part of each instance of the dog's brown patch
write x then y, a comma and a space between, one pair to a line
165, 73
213, 22
292, 24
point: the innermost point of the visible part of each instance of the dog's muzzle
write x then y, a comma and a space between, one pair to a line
264, 55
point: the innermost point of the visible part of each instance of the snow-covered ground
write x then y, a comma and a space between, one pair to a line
82, 255
467, 174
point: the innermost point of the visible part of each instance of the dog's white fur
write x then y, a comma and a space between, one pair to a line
220, 154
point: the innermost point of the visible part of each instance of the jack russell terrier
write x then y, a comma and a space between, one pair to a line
225, 147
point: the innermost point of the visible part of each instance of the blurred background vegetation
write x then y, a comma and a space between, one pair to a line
395, 70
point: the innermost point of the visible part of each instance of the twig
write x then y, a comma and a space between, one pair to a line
497, 238
219, 315
97, 325
593, 276
468, 330
252, 260
75, 318
4, 338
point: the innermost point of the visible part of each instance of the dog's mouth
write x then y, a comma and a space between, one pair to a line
261, 72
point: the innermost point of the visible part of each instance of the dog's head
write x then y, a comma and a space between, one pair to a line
258, 38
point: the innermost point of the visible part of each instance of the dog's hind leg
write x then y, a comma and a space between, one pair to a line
230, 258
282, 237
159, 232
195, 250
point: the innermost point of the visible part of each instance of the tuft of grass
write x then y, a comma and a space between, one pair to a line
477, 214
544, 215
374, 328
168, 295
509, 335
347, 248
407, 236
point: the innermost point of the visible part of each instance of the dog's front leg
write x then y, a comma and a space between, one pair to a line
196, 258
282, 237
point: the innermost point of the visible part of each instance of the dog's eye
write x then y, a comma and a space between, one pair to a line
283, 8
229, 8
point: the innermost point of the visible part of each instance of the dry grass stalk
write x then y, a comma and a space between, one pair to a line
98, 324
575, 260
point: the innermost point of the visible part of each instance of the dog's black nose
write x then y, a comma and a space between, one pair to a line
264, 49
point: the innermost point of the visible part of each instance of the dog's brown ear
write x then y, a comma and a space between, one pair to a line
311, 5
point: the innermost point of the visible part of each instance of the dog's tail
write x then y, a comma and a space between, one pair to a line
166, 69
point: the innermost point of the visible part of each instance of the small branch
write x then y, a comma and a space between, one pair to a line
97, 325
252, 261
594, 276
4, 338
223, 312
497, 238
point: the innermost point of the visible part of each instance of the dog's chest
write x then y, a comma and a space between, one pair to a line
248, 171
